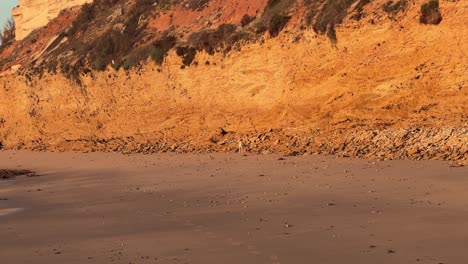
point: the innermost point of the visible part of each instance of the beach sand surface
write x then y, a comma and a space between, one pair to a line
226, 208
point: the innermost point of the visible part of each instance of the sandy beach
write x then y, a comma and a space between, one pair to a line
226, 208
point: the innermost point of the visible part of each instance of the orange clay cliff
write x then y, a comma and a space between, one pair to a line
380, 79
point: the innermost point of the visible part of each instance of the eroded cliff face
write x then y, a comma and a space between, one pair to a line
362, 99
33, 14
388, 90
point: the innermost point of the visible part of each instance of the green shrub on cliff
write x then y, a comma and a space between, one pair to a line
393, 8
197, 4
332, 13
430, 13
187, 54
277, 23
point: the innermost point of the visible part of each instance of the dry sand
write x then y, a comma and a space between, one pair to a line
111, 208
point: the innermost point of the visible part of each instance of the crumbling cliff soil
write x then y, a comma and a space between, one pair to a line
393, 90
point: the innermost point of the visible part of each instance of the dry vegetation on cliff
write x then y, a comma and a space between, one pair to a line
125, 33
7, 35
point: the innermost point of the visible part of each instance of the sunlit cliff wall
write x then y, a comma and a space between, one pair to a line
33, 14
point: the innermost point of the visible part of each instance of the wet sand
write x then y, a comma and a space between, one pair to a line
112, 208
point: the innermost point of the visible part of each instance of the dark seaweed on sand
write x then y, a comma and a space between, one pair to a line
9, 174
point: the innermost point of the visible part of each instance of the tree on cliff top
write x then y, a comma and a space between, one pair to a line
7, 35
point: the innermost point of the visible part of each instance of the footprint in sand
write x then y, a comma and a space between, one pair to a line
274, 259
234, 243
253, 250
